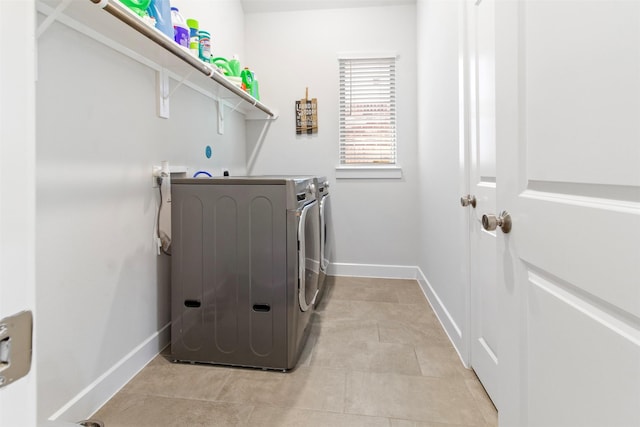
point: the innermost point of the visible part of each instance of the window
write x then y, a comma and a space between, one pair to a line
368, 111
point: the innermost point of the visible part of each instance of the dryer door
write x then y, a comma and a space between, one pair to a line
308, 255
325, 232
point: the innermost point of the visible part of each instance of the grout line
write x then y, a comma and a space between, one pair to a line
415, 353
344, 394
253, 409
224, 383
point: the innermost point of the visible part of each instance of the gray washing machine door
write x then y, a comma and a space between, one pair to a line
308, 255
325, 211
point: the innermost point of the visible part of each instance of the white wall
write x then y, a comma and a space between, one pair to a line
102, 293
17, 196
375, 220
224, 19
444, 230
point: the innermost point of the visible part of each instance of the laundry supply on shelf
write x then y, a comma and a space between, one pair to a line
247, 79
222, 64
194, 38
234, 66
160, 10
204, 52
255, 91
180, 28
138, 6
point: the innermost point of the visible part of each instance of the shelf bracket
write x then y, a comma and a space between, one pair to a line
237, 105
220, 106
162, 94
52, 17
180, 83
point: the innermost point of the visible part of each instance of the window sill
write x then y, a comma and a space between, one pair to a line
368, 172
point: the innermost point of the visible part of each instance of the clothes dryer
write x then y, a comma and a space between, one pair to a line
245, 267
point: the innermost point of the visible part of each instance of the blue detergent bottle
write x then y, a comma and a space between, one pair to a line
161, 11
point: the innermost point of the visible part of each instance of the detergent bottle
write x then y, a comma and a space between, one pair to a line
161, 11
180, 28
223, 64
234, 66
247, 80
204, 50
138, 6
194, 38
255, 90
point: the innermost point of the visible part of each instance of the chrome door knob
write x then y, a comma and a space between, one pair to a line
491, 222
468, 200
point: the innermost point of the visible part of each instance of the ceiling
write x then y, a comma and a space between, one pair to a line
258, 6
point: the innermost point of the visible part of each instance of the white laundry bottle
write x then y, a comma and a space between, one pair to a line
180, 28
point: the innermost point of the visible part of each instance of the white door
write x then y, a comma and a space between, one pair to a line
482, 247
17, 189
568, 156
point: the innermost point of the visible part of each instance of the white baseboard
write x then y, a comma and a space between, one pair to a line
373, 270
96, 394
449, 325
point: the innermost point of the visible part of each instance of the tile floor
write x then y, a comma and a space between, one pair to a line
376, 356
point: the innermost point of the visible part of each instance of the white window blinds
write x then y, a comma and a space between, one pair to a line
368, 111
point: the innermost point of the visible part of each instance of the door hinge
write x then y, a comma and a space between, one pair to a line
16, 334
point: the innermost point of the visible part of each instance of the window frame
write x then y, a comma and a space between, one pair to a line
368, 170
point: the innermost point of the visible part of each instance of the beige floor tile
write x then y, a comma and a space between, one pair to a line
411, 397
366, 356
137, 410
304, 388
407, 423
360, 281
407, 283
334, 309
411, 295
441, 361
483, 400
376, 356
270, 416
374, 289
305, 355
182, 380
375, 281
347, 330
354, 291
417, 334
392, 313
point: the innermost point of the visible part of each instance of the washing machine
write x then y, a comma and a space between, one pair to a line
245, 268
326, 231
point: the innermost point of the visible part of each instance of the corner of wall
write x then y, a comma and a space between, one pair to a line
449, 324
442, 252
